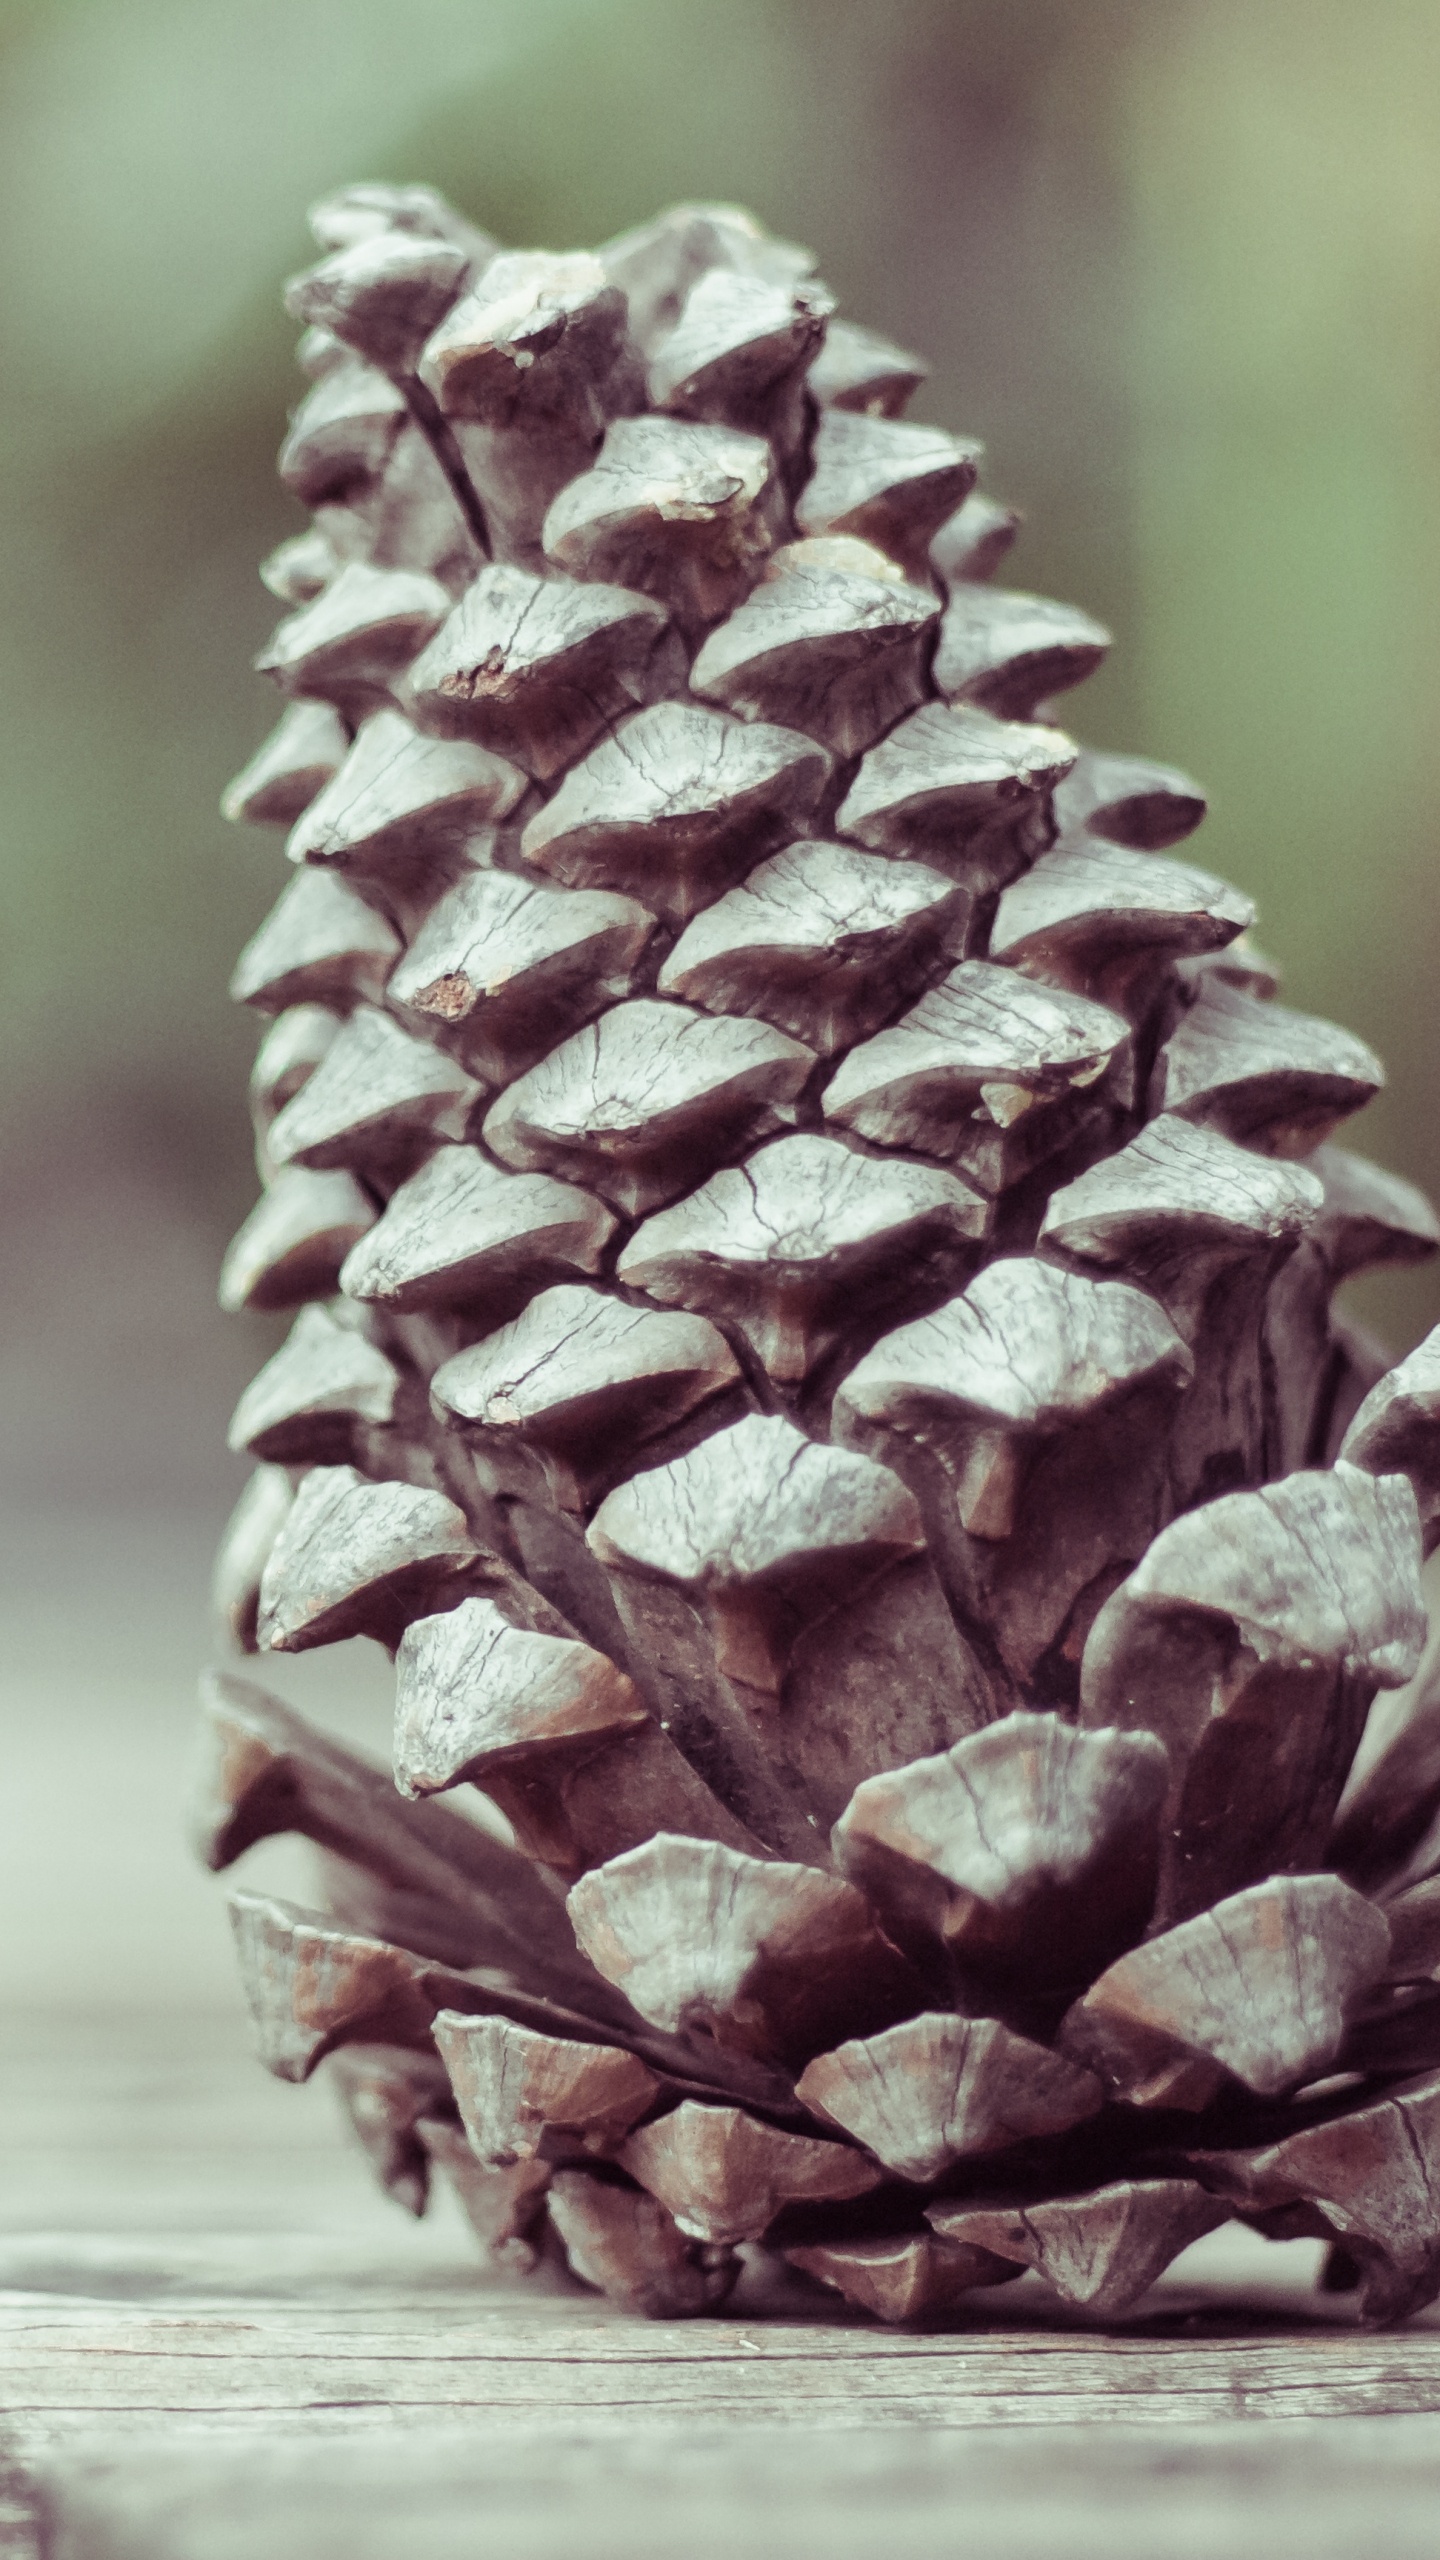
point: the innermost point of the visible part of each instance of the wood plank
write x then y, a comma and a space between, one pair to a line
1295, 2493
216, 2338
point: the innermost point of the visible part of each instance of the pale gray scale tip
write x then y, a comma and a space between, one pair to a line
677, 802
830, 642
1129, 800
1370, 1215
1175, 1188
737, 337
473, 1689
377, 1092
640, 1101
973, 541
356, 636
825, 941
1396, 1431
294, 1241
945, 770
535, 668
347, 1557
657, 262
326, 1379
858, 369
400, 796
1010, 652
975, 1071
892, 484
302, 753
502, 966
533, 325
1262, 1986
1262, 1072
382, 293
287, 1057
1026, 1347
463, 1232
320, 943
749, 1501
573, 1349
797, 1244
342, 435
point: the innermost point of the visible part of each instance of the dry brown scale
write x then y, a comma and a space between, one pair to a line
812, 1247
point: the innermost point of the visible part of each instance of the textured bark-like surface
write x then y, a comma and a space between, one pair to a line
808, 1244
250, 1533
1010, 652
815, 1255
356, 1558
676, 805
1253, 1639
957, 788
1104, 2249
1261, 1986
475, 1690
973, 542
988, 1072
831, 642
915, 2277
1028, 1850
1368, 2177
1030, 1417
521, 2094
939, 2089
554, 1732
296, 1044
769, 1959
739, 1569
500, 966
726, 2176
821, 940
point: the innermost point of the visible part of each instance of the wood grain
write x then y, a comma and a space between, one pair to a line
216, 2340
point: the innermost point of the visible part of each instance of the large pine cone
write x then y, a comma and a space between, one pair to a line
815, 1252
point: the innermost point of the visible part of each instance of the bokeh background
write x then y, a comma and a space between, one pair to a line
1176, 261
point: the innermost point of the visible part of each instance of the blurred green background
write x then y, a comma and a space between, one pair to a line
1179, 265
1176, 261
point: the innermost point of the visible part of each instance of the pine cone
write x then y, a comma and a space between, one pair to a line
813, 1249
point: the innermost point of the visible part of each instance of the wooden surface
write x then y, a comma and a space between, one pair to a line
217, 2341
